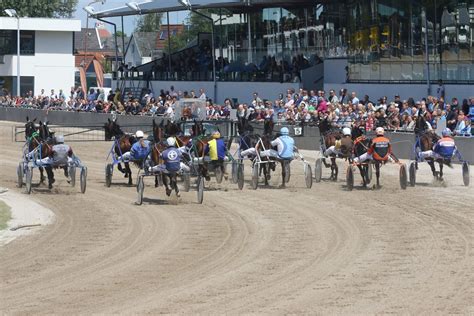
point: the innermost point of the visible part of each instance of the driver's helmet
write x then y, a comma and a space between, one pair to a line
379, 131
446, 132
216, 134
60, 139
139, 134
346, 131
171, 141
284, 131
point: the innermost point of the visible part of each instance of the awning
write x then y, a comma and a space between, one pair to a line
154, 6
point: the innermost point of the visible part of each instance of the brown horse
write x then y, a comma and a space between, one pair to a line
156, 149
424, 141
124, 143
270, 162
198, 147
329, 137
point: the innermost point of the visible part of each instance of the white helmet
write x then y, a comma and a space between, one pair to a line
139, 134
59, 139
171, 141
379, 131
346, 131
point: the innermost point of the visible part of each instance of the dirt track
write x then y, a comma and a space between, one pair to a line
268, 251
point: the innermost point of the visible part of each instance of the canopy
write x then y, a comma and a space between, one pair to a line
153, 6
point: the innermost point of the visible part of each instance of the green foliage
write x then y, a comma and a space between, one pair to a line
148, 22
40, 8
120, 33
196, 24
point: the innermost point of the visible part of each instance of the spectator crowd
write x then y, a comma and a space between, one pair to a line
308, 107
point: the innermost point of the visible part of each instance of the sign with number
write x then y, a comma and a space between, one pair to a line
298, 131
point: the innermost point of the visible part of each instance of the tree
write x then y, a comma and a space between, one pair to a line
149, 22
120, 33
40, 8
195, 24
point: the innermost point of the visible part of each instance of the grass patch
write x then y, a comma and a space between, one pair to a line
5, 215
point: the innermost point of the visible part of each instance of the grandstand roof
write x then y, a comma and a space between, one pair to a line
152, 6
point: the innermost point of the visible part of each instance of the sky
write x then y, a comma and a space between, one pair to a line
129, 21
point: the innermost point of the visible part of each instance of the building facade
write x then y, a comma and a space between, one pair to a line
363, 44
46, 54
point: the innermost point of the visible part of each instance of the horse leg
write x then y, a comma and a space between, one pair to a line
165, 182
377, 174
205, 171
156, 182
334, 169
433, 168
119, 167
266, 172
362, 174
42, 177
49, 172
174, 184
129, 172
440, 171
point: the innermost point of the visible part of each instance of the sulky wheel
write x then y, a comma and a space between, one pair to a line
20, 174
186, 181
108, 174
28, 179
403, 176
219, 174
200, 189
308, 175
240, 176
72, 175
140, 189
350, 178
254, 182
286, 165
234, 171
83, 179
318, 170
412, 173
465, 173
369, 173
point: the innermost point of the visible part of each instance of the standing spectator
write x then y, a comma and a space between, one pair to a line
440, 90
354, 98
202, 94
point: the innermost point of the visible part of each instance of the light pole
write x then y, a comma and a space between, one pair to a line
188, 5
12, 13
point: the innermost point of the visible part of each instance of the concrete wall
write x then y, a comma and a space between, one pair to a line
241, 90
402, 142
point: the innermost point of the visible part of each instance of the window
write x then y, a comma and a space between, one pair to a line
8, 42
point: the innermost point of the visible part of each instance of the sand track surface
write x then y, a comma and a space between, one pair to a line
270, 251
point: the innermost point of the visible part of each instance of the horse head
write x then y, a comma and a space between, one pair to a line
30, 127
420, 124
268, 127
357, 131
172, 129
112, 129
324, 126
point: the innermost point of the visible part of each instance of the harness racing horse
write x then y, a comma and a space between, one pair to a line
33, 136
199, 143
124, 143
270, 164
424, 141
329, 137
156, 149
360, 146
